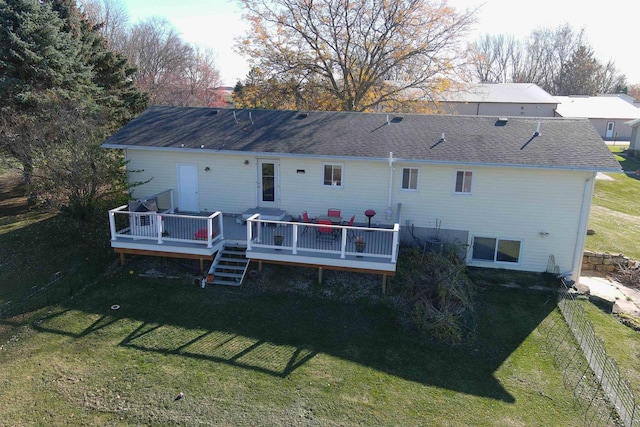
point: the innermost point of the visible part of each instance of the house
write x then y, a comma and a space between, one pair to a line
608, 114
511, 192
499, 99
634, 141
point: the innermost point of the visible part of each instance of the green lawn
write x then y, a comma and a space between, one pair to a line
622, 343
246, 357
615, 213
36, 244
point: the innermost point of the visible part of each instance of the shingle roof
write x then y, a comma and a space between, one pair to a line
596, 107
563, 143
503, 93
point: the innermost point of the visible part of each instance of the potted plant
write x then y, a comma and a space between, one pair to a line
360, 244
277, 238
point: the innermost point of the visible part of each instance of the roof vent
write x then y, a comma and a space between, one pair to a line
537, 132
397, 119
211, 113
302, 116
502, 121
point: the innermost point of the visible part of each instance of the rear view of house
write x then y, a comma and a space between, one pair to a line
507, 192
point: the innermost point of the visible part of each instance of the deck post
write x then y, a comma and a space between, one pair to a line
294, 239
260, 266
319, 274
201, 266
112, 224
159, 226
209, 232
122, 260
343, 243
221, 224
394, 248
384, 284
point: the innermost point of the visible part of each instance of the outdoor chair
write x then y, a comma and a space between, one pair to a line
325, 232
306, 220
333, 212
350, 233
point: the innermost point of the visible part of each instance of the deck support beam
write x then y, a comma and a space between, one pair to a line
384, 284
319, 274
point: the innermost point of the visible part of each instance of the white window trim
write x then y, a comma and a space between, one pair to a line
411, 190
455, 180
475, 261
341, 175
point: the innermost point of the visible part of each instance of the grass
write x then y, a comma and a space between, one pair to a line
615, 213
628, 164
36, 244
621, 342
249, 357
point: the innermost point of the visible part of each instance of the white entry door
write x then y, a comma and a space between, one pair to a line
610, 126
188, 200
268, 183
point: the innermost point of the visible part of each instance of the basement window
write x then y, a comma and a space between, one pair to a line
496, 250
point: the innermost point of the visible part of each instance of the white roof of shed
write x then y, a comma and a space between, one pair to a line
596, 107
503, 93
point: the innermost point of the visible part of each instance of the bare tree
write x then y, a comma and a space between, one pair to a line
541, 58
355, 48
112, 18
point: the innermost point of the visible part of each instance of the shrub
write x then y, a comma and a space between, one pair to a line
436, 295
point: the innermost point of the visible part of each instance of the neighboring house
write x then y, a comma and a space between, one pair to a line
608, 114
499, 99
515, 192
634, 142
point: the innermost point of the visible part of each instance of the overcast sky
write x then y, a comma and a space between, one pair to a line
611, 27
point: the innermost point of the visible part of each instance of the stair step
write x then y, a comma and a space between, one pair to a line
230, 267
225, 259
223, 274
225, 282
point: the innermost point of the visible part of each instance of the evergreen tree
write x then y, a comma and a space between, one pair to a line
579, 75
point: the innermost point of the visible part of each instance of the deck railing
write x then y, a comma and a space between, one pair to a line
166, 227
337, 240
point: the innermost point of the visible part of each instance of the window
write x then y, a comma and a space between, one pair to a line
463, 181
496, 250
409, 178
333, 175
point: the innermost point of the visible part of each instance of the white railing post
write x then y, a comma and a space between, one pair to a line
220, 224
209, 232
394, 248
159, 227
294, 239
173, 207
343, 249
112, 224
249, 225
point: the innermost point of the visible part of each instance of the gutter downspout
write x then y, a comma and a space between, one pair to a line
581, 238
388, 212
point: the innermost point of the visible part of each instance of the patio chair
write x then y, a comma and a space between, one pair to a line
325, 232
333, 212
350, 233
306, 220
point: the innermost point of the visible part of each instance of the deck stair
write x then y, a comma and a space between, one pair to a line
229, 266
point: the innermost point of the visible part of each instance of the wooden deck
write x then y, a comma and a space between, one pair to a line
171, 235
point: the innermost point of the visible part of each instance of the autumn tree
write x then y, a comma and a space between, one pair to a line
360, 53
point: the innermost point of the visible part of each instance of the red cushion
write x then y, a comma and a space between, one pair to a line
202, 234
